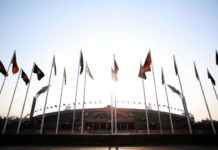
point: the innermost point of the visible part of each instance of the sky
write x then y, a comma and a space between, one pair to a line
102, 28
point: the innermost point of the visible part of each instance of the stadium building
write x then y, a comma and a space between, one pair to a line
98, 120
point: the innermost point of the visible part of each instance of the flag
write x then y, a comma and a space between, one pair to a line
114, 76
65, 77
175, 66
15, 67
196, 72
2, 69
54, 65
216, 58
141, 75
38, 71
162, 76
25, 78
116, 68
146, 67
211, 78
89, 73
81, 62
174, 89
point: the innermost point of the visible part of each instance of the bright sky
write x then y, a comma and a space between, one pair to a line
40, 29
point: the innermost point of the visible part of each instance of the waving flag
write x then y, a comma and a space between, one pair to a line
25, 78
141, 75
2, 69
65, 77
211, 78
54, 65
216, 58
116, 68
196, 72
15, 67
162, 77
175, 66
38, 71
89, 73
114, 76
81, 62
146, 67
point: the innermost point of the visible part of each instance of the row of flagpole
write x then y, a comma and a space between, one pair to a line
23, 75
145, 68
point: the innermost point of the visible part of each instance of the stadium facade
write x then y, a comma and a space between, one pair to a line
99, 120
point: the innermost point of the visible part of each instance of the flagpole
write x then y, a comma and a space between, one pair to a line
74, 110
83, 99
161, 132
211, 120
112, 114
171, 121
56, 132
146, 111
115, 100
6, 121
43, 118
18, 128
184, 102
5, 77
215, 91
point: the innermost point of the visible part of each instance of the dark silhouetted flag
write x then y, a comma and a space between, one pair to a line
65, 77
116, 68
54, 65
196, 72
15, 67
174, 89
81, 62
2, 69
216, 58
175, 66
25, 78
39, 72
146, 67
162, 77
114, 76
211, 78
141, 75
89, 73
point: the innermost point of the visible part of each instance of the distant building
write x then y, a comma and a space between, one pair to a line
99, 120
